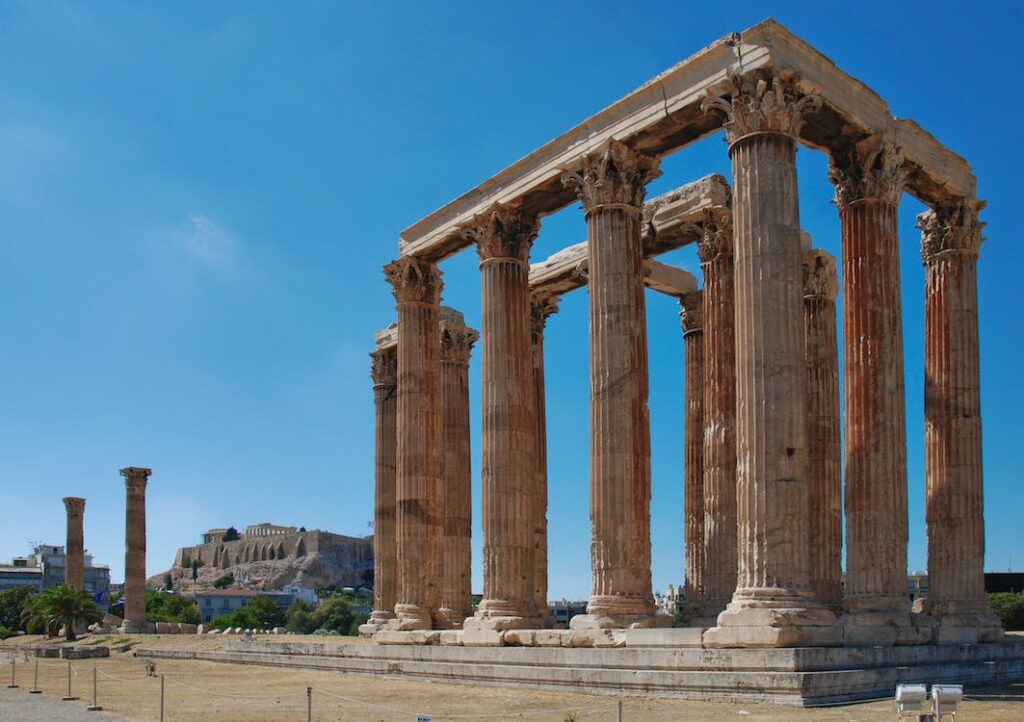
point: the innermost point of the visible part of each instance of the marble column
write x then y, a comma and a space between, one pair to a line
74, 549
692, 316
869, 182
135, 479
773, 605
951, 240
419, 515
542, 305
457, 341
716, 255
824, 458
611, 184
503, 237
384, 372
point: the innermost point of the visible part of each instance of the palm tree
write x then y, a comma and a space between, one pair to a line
63, 606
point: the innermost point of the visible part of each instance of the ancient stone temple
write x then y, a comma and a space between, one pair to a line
765, 480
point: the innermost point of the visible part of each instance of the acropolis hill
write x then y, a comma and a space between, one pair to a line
270, 556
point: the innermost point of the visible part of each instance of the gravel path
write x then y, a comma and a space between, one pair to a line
17, 705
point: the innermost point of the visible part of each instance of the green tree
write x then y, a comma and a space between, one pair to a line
224, 582
171, 608
266, 612
231, 534
337, 615
63, 606
4, 632
195, 569
239, 618
300, 618
1009, 608
13, 604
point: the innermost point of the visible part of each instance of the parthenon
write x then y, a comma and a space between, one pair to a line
766, 486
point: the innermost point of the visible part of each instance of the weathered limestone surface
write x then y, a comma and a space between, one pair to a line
823, 426
135, 479
385, 553
692, 316
419, 494
509, 472
542, 305
869, 182
716, 256
457, 341
773, 604
74, 560
951, 240
611, 183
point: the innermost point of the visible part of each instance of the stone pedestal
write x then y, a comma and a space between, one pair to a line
691, 314
419, 513
385, 558
503, 237
541, 306
135, 479
773, 605
951, 239
74, 549
824, 472
611, 184
869, 181
717, 261
457, 341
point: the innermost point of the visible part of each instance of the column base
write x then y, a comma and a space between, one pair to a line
378, 620
130, 627
583, 622
710, 609
448, 618
410, 618
882, 628
777, 621
954, 622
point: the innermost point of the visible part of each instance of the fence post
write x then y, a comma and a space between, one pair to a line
12, 685
70, 697
620, 711
93, 707
309, 704
35, 681
161, 698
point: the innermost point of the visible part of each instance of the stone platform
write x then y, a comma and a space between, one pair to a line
796, 677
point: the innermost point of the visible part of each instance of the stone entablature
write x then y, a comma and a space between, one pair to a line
265, 529
295, 545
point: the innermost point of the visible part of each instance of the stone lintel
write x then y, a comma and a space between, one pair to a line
567, 270
670, 280
388, 337
664, 115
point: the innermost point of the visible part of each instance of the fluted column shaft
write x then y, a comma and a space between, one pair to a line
691, 314
503, 239
612, 184
456, 592
385, 552
823, 426
541, 306
716, 254
135, 479
953, 470
418, 494
868, 181
74, 549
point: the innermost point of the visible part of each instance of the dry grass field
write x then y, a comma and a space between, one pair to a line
216, 692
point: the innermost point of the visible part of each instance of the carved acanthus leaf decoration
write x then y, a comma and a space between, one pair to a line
503, 232
762, 101
542, 305
951, 228
457, 343
820, 279
74, 505
691, 311
135, 477
716, 235
384, 366
869, 169
414, 280
614, 174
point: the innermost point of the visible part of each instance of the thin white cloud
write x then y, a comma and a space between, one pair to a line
207, 241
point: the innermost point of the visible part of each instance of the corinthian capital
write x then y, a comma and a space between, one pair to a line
613, 174
414, 280
762, 101
869, 169
951, 228
715, 235
820, 279
74, 505
384, 366
542, 305
502, 232
457, 342
691, 312
135, 477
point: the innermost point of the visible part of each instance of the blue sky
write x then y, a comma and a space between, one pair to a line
196, 200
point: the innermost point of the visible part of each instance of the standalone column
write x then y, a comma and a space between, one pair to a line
773, 605
503, 237
418, 491
612, 184
951, 239
135, 479
541, 306
692, 314
384, 371
457, 341
823, 426
716, 256
74, 549
869, 182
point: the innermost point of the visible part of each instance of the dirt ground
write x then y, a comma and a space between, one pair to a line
214, 692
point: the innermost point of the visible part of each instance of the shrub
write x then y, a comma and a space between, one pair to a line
239, 618
224, 582
1009, 608
171, 608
